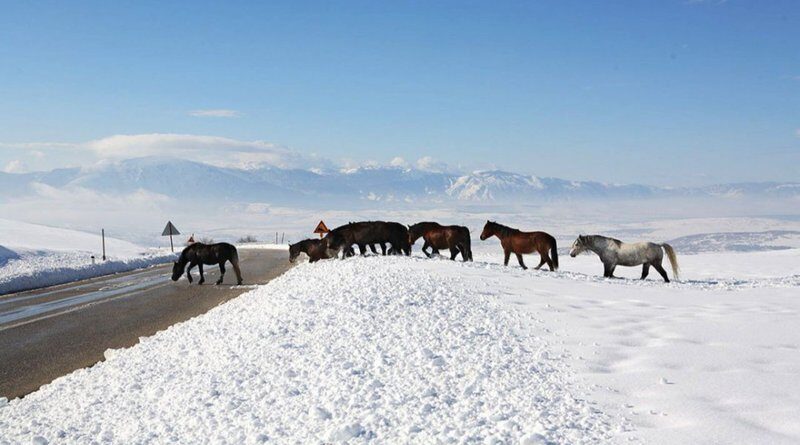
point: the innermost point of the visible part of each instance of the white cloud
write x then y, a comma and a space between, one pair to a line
220, 112
210, 149
399, 162
15, 166
430, 164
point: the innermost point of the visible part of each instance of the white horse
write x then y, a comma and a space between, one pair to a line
613, 253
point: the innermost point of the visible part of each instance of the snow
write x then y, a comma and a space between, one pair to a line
33, 256
711, 359
412, 350
365, 350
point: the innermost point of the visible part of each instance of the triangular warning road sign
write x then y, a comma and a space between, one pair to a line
170, 229
321, 228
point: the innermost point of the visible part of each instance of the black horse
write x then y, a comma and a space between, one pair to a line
199, 254
367, 233
316, 249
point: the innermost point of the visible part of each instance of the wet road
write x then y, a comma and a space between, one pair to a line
50, 332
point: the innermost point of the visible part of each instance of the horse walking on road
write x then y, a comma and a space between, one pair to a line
437, 236
199, 254
518, 242
613, 253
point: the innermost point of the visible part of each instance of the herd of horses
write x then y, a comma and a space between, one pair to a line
396, 239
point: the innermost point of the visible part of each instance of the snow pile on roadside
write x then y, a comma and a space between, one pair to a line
33, 256
370, 349
40, 269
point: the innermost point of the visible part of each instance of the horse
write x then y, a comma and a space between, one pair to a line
437, 236
613, 253
199, 254
519, 242
366, 234
316, 249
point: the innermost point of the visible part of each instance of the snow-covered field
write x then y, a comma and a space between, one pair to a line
411, 350
33, 256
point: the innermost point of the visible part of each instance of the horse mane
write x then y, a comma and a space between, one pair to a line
504, 230
614, 240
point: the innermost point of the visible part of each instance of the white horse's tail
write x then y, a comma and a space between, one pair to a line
673, 260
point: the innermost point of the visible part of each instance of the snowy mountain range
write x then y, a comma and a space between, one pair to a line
182, 179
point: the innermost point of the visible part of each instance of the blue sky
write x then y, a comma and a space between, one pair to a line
668, 92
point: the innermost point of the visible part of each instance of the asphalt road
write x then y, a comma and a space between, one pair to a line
50, 332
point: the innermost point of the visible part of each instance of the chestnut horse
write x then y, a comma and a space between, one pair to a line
519, 242
437, 236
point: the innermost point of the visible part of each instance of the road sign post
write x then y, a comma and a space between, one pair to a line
170, 230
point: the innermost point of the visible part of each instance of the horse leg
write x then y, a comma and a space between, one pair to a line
453, 253
464, 254
202, 277
549, 262
189, 272
372, 248
425, 247
645, 270
521, 263
661, 270
383, 249
363, 249
541, 263
236, 270
508, 256
608, 270
221, 272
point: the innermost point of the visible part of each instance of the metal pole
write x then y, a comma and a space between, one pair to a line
103, 235
276, 237
282, 234
171, 247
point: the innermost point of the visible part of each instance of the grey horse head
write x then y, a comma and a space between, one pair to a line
580, 245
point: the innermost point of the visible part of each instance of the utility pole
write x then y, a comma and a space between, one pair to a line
103, 235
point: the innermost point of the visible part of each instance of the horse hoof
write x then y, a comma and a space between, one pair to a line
239, 283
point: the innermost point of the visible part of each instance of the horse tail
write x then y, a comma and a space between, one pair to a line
554, 253
468, 245
673, 259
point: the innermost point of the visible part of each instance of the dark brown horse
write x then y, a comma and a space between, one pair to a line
316, 249
199, 254
520, 242
438, 237
365, 234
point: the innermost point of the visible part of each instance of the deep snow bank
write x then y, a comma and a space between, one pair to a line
370, 349
33, 256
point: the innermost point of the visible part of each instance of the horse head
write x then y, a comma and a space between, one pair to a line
488, 230
580, 245
414, 232
177, 269
294, 251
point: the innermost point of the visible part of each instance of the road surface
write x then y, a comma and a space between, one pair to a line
50, 332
